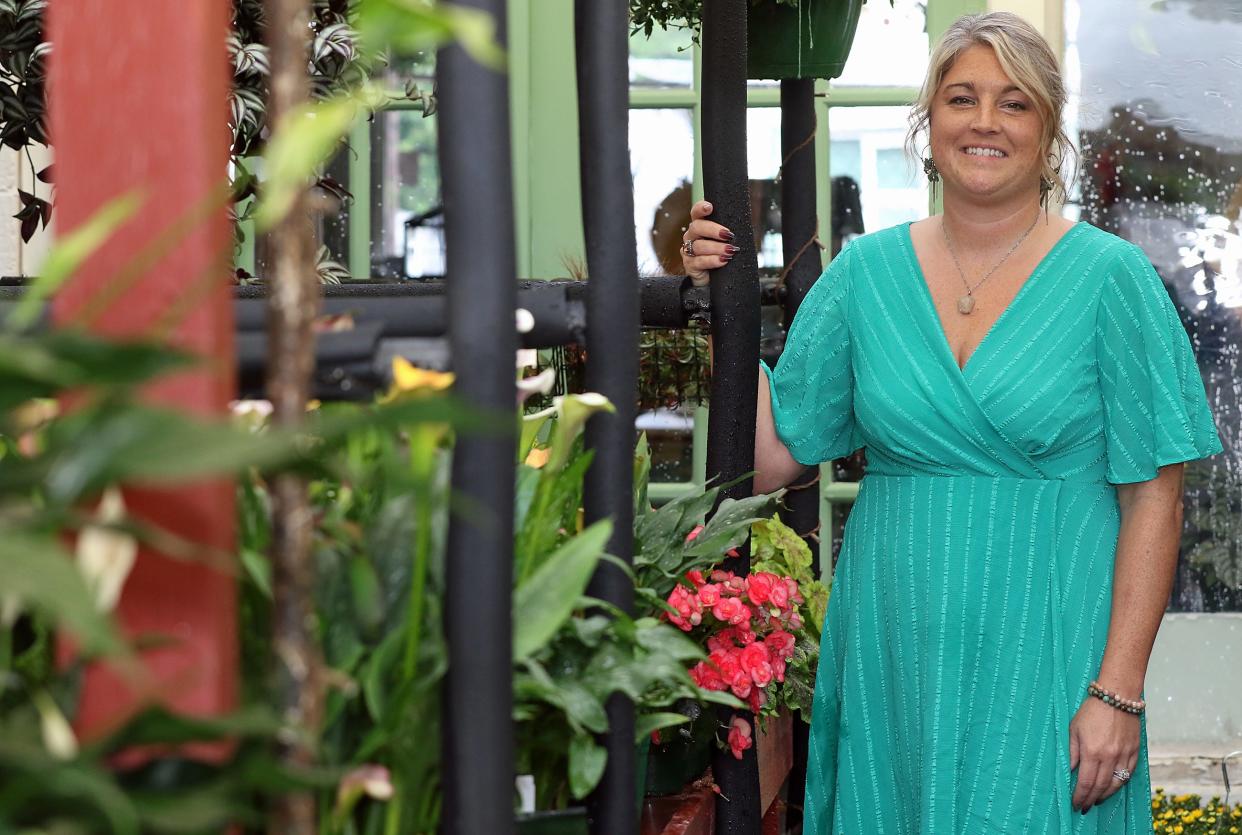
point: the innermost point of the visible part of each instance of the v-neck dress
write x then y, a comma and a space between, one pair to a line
971, 598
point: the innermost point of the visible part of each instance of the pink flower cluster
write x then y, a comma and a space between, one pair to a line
748, 621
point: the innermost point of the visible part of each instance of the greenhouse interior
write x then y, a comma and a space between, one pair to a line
379, 457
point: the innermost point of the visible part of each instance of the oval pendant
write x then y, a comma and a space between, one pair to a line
965, 304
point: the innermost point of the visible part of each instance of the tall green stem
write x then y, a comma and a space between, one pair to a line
422, 462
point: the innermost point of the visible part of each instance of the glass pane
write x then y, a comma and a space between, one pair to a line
890, 47
763, 163
1156, 106
662, 164
663, 60
407, 233
872, 180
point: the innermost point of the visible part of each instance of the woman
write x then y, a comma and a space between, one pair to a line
1026, 396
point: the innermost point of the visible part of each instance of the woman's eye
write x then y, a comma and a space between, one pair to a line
1015, 105
959, 100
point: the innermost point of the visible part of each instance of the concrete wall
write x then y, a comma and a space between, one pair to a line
1194, 682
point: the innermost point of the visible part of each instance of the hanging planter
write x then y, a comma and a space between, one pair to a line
808, 39
786, 38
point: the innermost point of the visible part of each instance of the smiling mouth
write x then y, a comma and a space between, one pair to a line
985, 152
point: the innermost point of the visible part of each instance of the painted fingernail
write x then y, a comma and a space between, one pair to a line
726, 234
733, 249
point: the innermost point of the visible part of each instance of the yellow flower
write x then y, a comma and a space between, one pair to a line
406, 377
538, 457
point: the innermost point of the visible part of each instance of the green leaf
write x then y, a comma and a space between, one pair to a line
660, 638
47, 364
642, 476
414, 25
730, 526
543, 602
302, 142
41, 574
645, 724
586, 765
159, 726
30, 773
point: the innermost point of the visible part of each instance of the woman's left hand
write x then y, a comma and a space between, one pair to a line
1103, 739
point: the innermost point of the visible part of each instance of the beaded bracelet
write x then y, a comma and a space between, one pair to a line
1128, 705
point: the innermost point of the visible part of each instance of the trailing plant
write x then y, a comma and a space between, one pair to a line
338, 63
645, 15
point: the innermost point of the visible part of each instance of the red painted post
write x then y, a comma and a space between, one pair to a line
139, 100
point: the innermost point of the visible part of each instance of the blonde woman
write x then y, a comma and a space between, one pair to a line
1026, 396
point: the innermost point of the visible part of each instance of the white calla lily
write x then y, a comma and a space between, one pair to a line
105, 555
58, 737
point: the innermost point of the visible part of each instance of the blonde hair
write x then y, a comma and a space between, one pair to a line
1027, 59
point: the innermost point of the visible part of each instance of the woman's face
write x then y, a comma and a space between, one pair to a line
985, 133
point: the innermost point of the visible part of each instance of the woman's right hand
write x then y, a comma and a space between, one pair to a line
712, 244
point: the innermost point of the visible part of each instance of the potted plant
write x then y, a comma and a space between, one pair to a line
785, 38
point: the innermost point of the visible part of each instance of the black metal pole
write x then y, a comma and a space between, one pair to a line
602, 50
482, 295
735, 335
802, 268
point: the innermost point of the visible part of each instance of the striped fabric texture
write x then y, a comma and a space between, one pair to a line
972, 595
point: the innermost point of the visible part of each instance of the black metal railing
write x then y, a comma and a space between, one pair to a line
467, 321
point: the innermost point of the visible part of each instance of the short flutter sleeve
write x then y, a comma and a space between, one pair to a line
812, 384
1155, 408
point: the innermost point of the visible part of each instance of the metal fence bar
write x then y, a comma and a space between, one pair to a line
735, 330
802, 268
602, 52
482, 297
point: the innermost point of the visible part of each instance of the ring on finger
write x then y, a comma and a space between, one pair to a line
1121, 774
688, 247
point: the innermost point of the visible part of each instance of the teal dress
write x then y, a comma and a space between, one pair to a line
971, 598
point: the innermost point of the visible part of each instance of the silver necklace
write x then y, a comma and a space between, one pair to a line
966, 303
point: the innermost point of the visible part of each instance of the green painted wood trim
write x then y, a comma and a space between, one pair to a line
360, 219
520, 95
245, 254
698, 450
552, 189
870, 96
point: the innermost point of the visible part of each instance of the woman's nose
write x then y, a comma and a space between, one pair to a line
985, 120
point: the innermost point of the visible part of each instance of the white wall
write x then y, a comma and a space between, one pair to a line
16, 257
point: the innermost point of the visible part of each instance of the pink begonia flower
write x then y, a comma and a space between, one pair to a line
778, 668
689, 610
791, 587
758, 698
695, 576
778, 595
739, 736
706, 676
759, 587
781, 643
731, 610
756, 661
709, 594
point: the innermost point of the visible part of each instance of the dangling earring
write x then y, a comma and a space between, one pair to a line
1045, 188
933, 174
